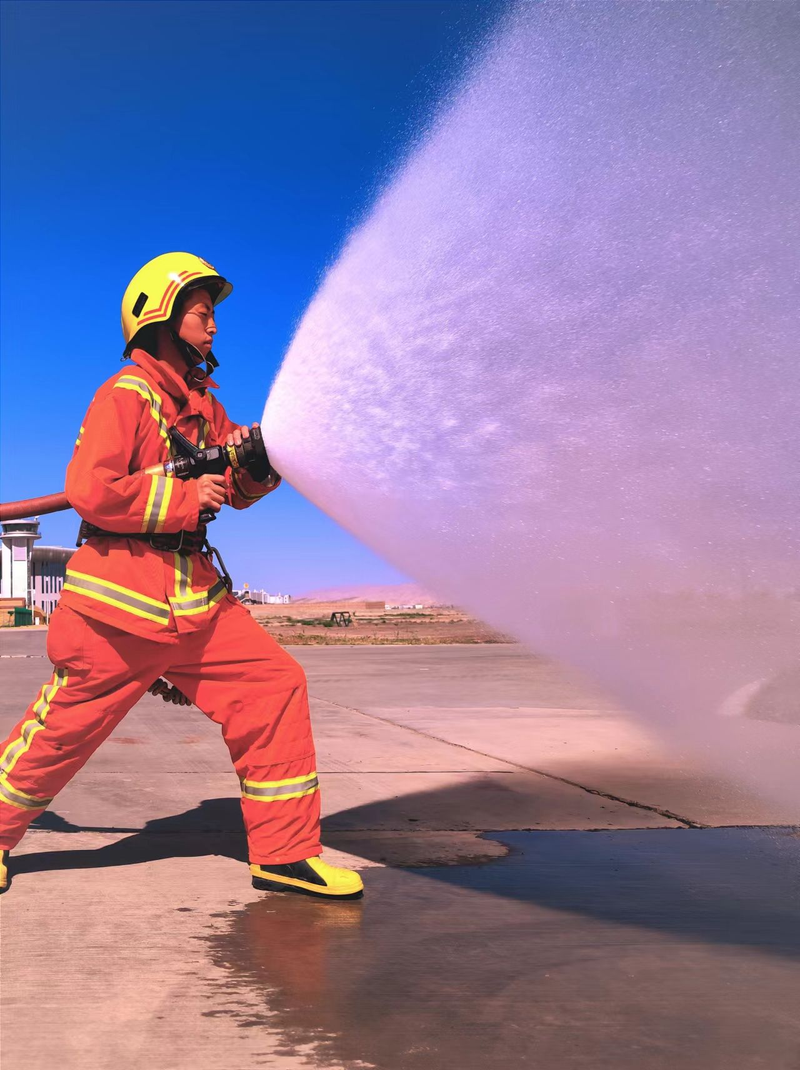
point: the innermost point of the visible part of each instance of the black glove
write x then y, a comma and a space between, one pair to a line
169, 693
254, 457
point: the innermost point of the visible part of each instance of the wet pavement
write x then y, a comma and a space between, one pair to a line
543, 890
626, 950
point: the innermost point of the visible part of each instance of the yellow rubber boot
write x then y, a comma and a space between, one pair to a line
5, 879
312, 876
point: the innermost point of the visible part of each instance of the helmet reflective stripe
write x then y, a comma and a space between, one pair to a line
169, 297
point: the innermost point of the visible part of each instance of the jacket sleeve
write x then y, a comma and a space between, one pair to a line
243, 490
100, 485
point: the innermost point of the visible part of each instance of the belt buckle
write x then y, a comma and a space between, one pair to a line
168, 549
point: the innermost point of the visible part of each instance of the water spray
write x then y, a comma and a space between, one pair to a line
558, 363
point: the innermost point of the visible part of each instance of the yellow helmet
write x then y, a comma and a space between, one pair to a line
151, 293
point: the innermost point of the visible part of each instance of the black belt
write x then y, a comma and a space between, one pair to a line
181, 542
178, 542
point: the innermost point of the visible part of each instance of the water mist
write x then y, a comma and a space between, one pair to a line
555, 373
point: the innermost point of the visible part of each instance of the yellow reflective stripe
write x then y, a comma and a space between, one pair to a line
278, 783
15, 797
21, 744
140, 386
179, 577
111, 601
279, 798
204, 434
60, 677
184, 567
243, 493
138, 381
117, 587
36, 799
113, 594
157, 508
80, 436
277, 790
164, 510
151, 498
36, 705
204, 599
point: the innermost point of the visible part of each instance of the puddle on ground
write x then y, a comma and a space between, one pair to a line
576, 950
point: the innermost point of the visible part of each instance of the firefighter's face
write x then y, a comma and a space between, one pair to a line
195, 322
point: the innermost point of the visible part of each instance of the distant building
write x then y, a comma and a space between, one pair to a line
33, 573
48, 572
262, 598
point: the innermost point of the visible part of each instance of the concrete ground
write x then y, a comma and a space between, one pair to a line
546, 887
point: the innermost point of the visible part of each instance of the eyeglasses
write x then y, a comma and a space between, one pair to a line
206, 317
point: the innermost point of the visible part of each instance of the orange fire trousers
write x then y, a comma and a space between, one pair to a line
232, 670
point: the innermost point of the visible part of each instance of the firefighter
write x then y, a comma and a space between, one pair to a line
143, 599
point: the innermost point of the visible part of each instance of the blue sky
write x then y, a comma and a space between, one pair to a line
252, 133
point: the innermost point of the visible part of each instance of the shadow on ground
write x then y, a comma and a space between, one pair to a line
728, 886
639, 948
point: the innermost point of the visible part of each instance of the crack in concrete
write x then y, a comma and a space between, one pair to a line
687, 822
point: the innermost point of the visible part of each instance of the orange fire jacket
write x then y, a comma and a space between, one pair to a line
126, 582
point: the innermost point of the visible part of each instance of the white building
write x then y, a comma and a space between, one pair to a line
262, 598
35, 573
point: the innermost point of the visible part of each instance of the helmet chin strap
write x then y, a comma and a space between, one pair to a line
195, 376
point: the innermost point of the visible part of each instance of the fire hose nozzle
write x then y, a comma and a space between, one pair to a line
192, 461
189, 462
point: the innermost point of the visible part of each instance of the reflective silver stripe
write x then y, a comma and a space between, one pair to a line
20, 745
155, 508
130, 601
183, 570
40, 710
198, 601
284, 789
134, 380
138, 384
24, 802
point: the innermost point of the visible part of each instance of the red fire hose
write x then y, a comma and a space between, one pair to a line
50, 503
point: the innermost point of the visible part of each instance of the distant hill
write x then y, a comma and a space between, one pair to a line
397, 594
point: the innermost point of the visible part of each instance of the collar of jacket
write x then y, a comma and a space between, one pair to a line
197, 401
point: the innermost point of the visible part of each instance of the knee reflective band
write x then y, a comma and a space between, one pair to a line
17, 747
15, 797
280, 790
